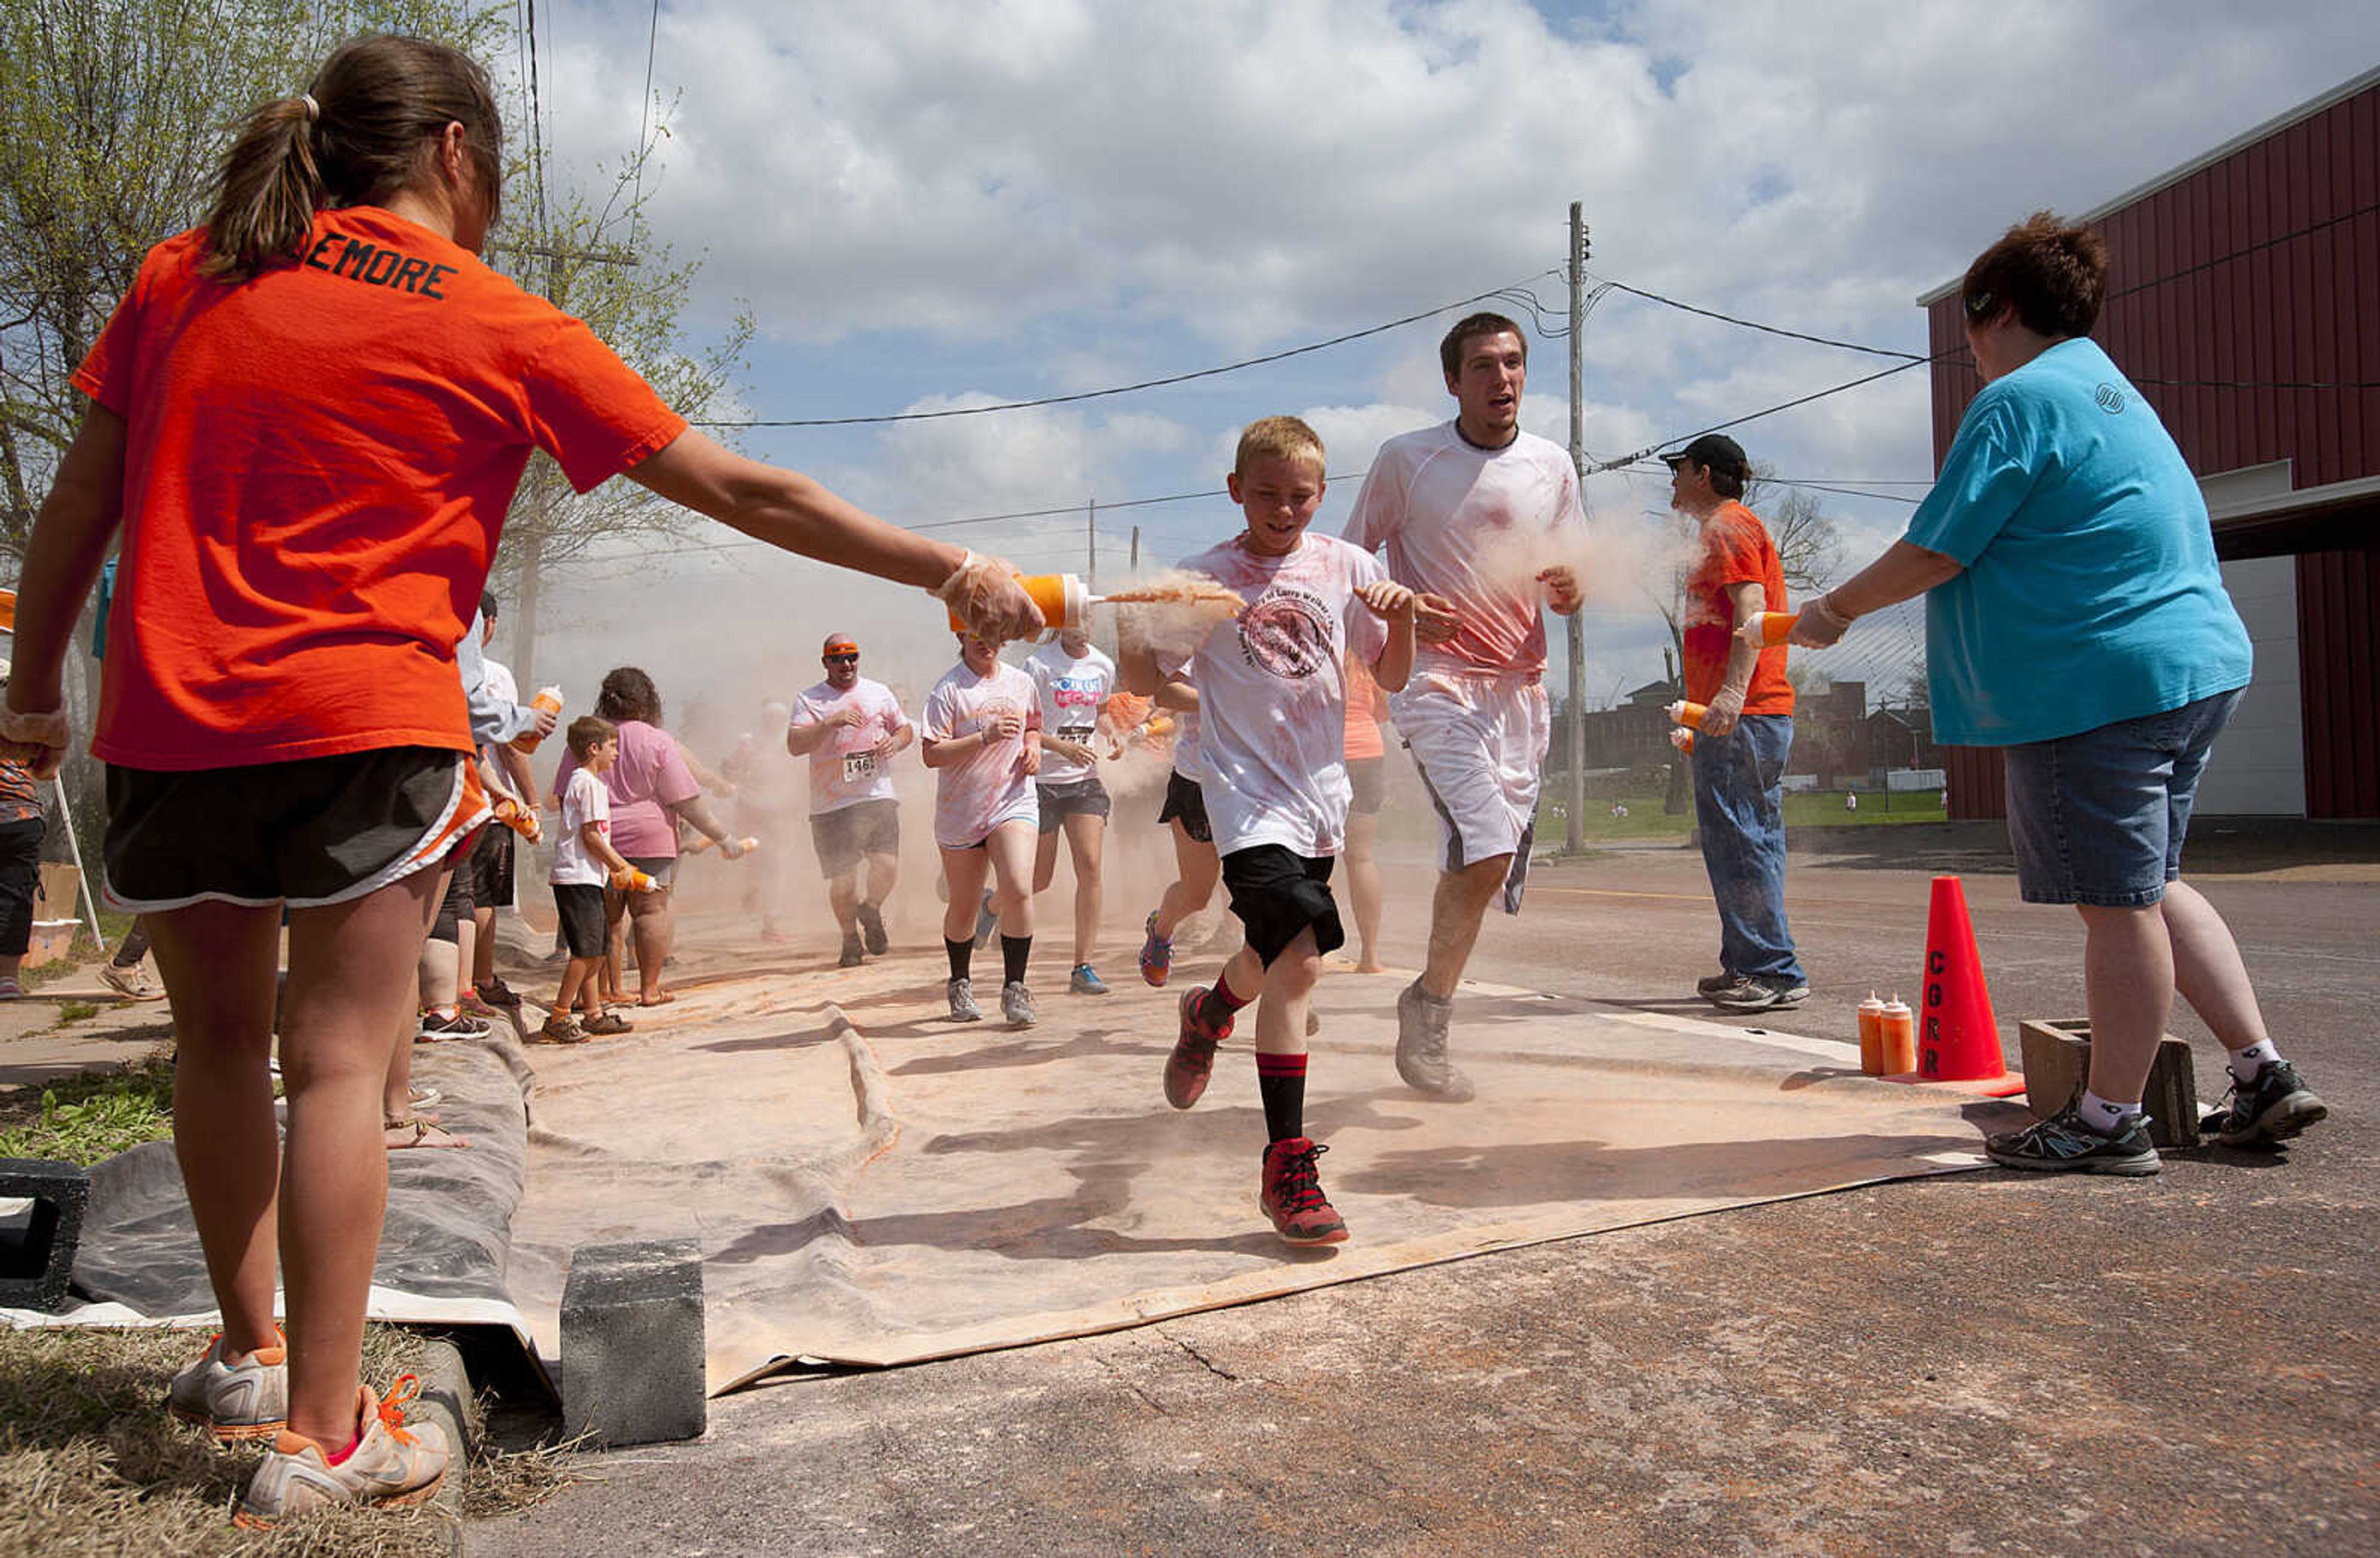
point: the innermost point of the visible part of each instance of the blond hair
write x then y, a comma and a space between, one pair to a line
1286, 438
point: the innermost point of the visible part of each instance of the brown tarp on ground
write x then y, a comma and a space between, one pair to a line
894, 1187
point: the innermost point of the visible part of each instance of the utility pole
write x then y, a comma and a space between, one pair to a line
1136, 549
1576, 841
1091, 545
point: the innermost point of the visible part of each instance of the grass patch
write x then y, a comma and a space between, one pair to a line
1806, 809
91, 1466
90, 1117
76, 1011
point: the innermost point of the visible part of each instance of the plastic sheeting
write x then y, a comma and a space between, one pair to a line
895, 1187
444, 1245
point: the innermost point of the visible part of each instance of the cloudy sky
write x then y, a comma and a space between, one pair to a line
937, 204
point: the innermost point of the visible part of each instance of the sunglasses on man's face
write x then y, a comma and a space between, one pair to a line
852, 659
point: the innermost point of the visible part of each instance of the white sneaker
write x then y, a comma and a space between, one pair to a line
247, 1400
132, 983
391, 1463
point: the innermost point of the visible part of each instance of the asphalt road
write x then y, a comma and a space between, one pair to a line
1985, 1363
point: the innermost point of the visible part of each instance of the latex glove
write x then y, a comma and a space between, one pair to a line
1722, 712
987, 594
36, 739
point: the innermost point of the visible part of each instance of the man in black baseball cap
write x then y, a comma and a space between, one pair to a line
1717, 453
1747, 727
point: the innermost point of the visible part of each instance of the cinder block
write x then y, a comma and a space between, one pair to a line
2057, 1063
37, 1242
632, 1345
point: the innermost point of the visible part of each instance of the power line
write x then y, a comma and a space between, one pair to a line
1645, 454
1119, 389
1912, 358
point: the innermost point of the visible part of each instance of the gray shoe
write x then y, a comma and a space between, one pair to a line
962, 1006
393, 1463
1422, 1019
1750, 994
247, 1401
871, 927
1017, 1005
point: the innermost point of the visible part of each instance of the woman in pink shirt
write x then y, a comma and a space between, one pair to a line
651, 786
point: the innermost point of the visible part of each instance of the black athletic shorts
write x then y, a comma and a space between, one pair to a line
1368, 777
491, 867
1185, 801
1086, 797
1277, 892
314, 831
843, 835
580, 906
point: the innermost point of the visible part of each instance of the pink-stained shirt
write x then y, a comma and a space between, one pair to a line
843, 770
1475, 526
988, 786
1272, 692
650, 777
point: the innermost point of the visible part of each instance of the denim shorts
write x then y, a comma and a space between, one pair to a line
2098, 818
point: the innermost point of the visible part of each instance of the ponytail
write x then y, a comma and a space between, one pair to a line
361, 133
266, 193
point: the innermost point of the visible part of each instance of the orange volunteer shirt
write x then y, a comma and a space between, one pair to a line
1736, 549
317, 469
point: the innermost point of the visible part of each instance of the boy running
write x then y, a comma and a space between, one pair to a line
584, 862
1272, 710
1073, 680
983, 740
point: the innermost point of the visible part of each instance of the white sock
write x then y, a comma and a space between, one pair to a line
2107, 1119
2246, 1063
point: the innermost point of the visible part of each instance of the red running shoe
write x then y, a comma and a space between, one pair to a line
1292, 1195
1193, 1060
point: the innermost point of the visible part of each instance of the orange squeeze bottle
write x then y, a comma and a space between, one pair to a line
548, 698
1897, 1049
1064, 600
1682, 739
1871, 1035
1776, 626
1687, 715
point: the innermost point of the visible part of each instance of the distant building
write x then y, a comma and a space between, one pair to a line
1636, 734
1902, 739
2244, 301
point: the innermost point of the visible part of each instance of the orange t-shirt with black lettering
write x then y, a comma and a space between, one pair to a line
317, 467
1736, 549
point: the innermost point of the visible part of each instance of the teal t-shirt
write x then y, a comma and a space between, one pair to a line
2091, 592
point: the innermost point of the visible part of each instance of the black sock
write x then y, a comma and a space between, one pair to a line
1014, 951
1281, 1082
1216, 1007
962, 953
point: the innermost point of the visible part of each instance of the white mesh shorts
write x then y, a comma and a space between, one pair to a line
1479, 739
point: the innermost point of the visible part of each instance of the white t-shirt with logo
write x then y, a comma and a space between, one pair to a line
843, 768
1272, 692
1475, 526
583, 800
988, 786
1071, 691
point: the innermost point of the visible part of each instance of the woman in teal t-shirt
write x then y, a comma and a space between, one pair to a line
2075, 616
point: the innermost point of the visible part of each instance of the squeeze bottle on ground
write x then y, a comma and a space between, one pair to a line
1871, 1035
548, 698
1898, 1027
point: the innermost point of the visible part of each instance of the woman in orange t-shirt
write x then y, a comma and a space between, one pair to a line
309, 417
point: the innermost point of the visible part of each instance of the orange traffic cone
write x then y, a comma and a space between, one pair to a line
1958, 1036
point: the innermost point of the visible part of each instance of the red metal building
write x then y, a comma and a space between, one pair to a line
2243, 300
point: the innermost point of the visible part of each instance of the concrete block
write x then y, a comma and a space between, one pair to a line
40, 1224
632, 1342
2057, 1063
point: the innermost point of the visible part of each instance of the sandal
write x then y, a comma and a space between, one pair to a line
421, 1131
606, 1024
